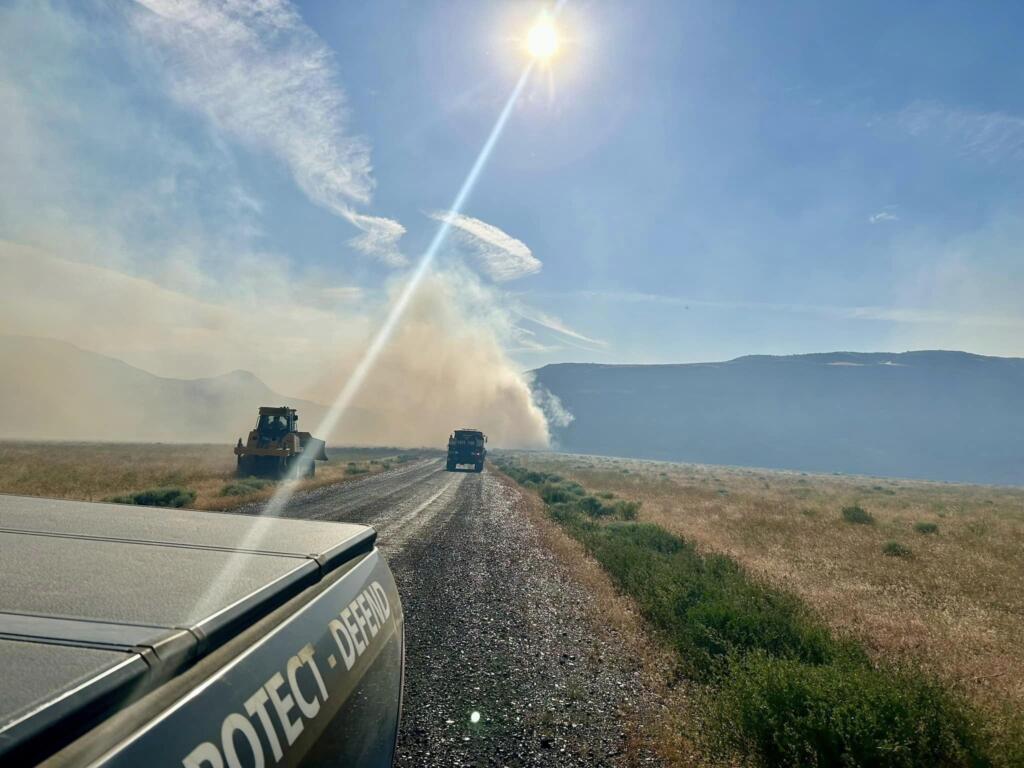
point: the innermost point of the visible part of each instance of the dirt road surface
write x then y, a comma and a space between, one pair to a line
495, 625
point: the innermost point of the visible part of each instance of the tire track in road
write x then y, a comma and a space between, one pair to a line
367, 499
396, 503
394, 534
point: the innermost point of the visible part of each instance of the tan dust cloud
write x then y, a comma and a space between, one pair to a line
443, 368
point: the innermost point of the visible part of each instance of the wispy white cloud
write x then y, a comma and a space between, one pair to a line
342, 293
263, 78
502, 256
908, 315
379, 238
525, 340
914, 315
552, 323
882, 216
991, 136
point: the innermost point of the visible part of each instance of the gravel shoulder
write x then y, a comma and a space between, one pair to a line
496, 624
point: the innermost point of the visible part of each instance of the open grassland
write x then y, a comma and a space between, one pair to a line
926, 579
203, 475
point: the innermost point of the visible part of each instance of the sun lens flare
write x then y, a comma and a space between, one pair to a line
542, 40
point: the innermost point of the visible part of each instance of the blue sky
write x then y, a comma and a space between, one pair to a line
785, 155
684, 181
760, 161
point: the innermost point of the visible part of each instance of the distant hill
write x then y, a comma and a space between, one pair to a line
936, 415
54, 390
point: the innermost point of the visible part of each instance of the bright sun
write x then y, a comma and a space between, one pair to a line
542, 40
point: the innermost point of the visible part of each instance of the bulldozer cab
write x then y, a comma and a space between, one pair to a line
274, 423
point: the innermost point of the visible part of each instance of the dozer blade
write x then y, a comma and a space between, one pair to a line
318, 448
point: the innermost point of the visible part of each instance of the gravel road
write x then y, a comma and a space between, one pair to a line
494, 626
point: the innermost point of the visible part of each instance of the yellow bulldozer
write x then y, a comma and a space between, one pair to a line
276, 448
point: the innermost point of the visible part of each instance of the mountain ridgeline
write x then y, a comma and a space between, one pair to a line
55, 391
934, 415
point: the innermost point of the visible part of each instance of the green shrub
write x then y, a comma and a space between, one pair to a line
923, 527
594, 507
645, 536
157, 497
705, 605
352, 469
857, 515
844, 713
553, 493
626, 509
244, 486
895, 549
529, 476
568, 515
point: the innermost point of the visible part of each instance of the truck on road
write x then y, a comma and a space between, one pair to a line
131, 636
466, 446
276, 448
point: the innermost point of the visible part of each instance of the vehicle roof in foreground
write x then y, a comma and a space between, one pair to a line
97, 599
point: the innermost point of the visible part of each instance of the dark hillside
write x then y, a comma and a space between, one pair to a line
937, 415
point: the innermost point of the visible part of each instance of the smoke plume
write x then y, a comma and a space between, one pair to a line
444, 367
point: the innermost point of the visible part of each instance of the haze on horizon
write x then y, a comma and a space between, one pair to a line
197, 187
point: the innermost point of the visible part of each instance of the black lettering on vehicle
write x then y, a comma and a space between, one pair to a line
283, 704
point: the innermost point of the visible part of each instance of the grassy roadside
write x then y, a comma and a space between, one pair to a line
194, 476
781, 684
921, 572
667, 726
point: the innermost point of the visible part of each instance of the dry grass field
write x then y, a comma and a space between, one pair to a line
98, 471
951, 598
